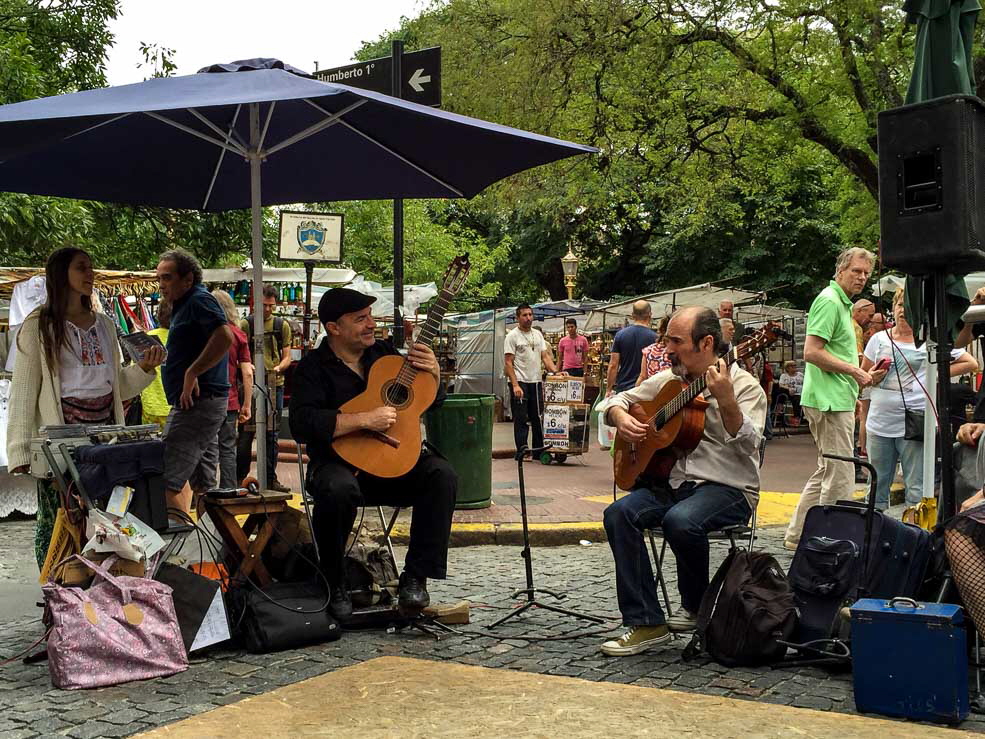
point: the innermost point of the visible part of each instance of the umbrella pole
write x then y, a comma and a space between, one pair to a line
260, 378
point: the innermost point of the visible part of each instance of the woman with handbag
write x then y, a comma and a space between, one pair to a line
894, 425
67, 370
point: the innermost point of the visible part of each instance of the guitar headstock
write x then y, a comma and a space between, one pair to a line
759, 340
456, 273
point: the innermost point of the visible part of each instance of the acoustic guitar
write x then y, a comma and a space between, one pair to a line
394, 381
675, 419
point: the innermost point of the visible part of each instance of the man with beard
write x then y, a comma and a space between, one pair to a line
715, 485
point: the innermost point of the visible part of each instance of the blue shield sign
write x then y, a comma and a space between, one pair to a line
311, 236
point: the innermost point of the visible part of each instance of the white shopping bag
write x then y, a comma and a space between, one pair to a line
606, 434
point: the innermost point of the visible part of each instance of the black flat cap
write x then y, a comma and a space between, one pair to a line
341, 300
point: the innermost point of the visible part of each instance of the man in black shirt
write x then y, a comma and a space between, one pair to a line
326, 379
195, 378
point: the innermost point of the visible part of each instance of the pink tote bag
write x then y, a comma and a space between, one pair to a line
120, 629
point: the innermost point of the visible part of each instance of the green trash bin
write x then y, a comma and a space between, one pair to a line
462, 429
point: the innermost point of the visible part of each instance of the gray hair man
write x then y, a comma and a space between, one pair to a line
831, 383
716, 485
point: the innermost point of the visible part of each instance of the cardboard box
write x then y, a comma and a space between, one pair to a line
564, 390
76, 573
566, 427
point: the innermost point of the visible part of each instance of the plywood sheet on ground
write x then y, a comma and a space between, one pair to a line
401, 697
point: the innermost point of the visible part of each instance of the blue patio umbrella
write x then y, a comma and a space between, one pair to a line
249, 134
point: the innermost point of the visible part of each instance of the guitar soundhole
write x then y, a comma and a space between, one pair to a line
396, 395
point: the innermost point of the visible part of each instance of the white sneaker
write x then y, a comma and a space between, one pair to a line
683, 620
637, 639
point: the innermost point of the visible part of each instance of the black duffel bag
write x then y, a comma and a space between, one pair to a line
282, 615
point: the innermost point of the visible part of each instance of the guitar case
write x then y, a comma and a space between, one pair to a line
827, 569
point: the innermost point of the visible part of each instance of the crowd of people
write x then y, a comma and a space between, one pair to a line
863, 384
863, 377
197, 386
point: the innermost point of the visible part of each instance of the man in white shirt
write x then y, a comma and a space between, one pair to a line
526, 352
715, 485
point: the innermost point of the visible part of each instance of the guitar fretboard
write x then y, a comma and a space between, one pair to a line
427, 334
696, 387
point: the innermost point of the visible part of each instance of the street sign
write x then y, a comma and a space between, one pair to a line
421, 81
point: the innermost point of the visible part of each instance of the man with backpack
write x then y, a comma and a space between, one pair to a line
276, 360
715, 485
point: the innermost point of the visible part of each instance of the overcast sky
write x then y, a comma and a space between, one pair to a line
204, 32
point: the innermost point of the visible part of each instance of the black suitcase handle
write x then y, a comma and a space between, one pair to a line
870, 511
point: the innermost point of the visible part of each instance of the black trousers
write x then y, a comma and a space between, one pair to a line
430, 488
526, 411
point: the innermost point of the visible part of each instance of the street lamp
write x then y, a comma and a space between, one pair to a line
569, 263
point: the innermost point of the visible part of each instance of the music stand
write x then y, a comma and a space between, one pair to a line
531, 590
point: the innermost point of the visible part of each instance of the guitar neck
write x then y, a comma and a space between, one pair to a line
428, 333
692, 391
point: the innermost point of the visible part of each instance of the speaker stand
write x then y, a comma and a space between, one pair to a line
943, 336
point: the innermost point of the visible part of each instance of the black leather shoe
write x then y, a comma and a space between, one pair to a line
412, 595
339, 603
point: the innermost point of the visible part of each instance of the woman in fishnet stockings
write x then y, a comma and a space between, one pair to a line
965, 544
964, 538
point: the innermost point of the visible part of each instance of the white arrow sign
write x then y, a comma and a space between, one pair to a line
417, 79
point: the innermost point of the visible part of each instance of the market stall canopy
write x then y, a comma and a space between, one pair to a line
321, 275
108, 282
750, 307
414, 296
557, 308
889, 284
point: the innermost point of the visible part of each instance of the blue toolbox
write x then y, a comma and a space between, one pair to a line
910, 659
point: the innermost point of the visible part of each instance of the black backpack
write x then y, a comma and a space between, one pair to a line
746, 609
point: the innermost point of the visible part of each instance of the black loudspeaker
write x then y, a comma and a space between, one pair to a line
932, 186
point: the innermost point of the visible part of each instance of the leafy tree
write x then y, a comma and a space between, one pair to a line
737, 138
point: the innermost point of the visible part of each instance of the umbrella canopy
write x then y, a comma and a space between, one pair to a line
184, 142
202, 141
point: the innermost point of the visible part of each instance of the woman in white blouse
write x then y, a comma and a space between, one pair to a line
67, 370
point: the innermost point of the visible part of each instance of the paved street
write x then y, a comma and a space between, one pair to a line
539, 642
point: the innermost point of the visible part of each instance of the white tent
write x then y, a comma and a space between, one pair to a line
321, 275
891, 283
750, 307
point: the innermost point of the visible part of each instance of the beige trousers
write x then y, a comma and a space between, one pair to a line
832, 480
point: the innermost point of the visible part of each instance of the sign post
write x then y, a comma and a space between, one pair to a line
310, 237
416, 77
396, 54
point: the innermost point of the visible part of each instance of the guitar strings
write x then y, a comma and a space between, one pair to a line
692, 390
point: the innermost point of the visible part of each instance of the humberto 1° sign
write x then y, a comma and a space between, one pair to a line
420, 79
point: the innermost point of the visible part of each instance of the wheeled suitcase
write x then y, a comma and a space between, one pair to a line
832, 563
910, 659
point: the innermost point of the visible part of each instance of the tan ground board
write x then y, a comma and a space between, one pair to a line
400, 697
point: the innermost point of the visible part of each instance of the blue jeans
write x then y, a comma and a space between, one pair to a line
687, 515
884, 453
272, 434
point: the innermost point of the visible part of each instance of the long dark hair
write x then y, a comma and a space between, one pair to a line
51, 320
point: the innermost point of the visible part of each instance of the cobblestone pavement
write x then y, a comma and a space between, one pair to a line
484, 575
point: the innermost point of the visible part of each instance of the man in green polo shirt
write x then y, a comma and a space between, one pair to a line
832, 379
